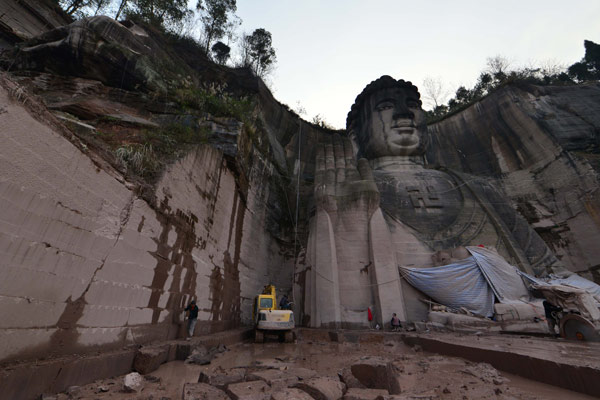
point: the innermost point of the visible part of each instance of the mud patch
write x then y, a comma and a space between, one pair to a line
174, 260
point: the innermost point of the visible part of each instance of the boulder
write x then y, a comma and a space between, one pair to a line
323, 388
291, 394
222, 378
371, 372
102, 49
302, 373
203, 391
200, 355
278, 378
364, 394
253, 390
377, 373
133, 382
149, 358
345, 375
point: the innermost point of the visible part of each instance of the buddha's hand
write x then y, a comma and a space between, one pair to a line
341, 184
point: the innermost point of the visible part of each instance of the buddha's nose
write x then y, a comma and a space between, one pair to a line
402, 112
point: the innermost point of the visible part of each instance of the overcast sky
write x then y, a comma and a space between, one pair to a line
329, 50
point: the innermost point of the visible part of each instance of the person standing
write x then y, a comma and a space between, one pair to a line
284, 304
395, 322
192, 310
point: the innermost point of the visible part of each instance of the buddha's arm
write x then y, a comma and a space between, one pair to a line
349, 246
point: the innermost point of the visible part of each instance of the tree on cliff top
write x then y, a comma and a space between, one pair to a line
589, 67
257, 52
165, 13
221, 52
168, 14
217, 18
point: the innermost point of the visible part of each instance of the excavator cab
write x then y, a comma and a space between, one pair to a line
269, 320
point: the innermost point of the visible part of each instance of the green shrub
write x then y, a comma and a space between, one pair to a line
139, 159
215, 100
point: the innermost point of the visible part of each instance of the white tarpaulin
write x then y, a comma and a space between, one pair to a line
501, 276
577, 281
574, 281
471, 283
456, 285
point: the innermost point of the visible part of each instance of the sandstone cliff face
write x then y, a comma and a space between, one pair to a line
540, 145
21, 20
89, 264
95, 258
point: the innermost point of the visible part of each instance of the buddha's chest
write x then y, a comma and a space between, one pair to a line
428, 201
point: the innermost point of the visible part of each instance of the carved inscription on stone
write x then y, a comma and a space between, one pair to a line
425, 200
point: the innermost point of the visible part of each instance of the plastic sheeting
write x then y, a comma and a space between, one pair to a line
502, 277
456, 285
573, 280
577, 281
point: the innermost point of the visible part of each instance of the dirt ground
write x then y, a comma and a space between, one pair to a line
423, 375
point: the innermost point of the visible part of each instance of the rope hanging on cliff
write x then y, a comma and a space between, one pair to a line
296, 217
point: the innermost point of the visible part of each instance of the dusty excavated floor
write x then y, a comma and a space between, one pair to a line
424, 375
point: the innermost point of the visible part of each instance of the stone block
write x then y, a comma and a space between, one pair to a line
302, 373
364, 394
203, 391
223, 378
377, 373
345, 375
276, 378
291, 394
371, 372
149, 358
525, 312
253, 390
323, 388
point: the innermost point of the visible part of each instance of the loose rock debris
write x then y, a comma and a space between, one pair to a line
323, 370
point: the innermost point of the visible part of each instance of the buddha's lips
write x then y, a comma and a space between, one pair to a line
404, 130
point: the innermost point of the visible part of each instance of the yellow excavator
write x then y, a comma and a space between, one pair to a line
269, 320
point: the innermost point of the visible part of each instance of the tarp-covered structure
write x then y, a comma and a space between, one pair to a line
573, 293
473, 283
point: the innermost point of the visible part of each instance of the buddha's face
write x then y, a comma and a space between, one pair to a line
393, 123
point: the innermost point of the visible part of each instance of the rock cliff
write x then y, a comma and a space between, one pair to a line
98, 254
541, 145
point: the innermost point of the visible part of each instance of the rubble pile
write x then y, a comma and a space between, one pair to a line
318, 370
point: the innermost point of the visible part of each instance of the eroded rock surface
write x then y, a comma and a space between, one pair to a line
203, 391
323, 388
251, 390
149, 358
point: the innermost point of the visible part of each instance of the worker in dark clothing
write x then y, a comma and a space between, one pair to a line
284, 303
192, 310
550, 310
395, 322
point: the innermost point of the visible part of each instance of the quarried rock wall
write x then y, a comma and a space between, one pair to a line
539, 144
87, 264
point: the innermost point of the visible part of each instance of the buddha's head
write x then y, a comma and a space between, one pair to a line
387, 120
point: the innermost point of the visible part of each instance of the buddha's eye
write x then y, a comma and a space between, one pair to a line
384, 105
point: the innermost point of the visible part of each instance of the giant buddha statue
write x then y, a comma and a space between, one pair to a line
393, 208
